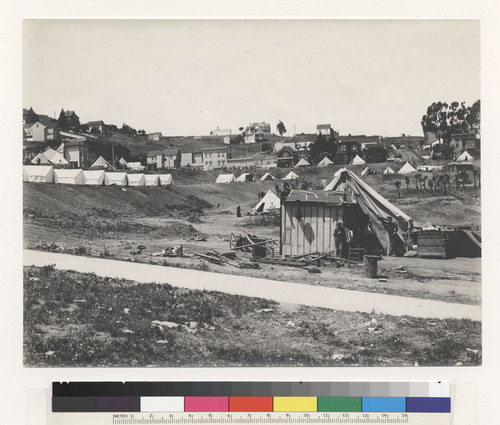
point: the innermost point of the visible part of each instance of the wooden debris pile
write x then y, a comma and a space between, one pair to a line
259, 247
230, 258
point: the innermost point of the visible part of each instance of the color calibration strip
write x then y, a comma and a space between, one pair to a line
418, 397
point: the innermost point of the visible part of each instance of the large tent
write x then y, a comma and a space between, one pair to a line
40, 159
55, 157
115, 179
38, 173
136, 180
366, 171
357, 160
325, 162
267, 176
407, 169
291, 176
245, 177
303, 163
165, 179
93, 177
68, 176
122, 162
101, 163
151, 180
465, 156
225, 178
373, 205
387, 171
269, 203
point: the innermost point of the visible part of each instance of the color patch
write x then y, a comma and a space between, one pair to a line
118, 404
428, 404
250, 404
384, 404
295, 404
73, 404
206, 404
162, 404
339, 404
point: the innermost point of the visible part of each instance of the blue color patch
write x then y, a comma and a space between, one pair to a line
383, 404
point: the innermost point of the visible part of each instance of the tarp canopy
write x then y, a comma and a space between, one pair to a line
38, 173
136, 166
40, 159
55, 157
165, 179
267, 176
388, 170
371, 203
324, 162
303, 163
101, 163
357, 160
151, 179
93, 177
115, 179
269, 203
465, 156
68, 176
136, 180
245, 177
407, 169
225, 178
291, 176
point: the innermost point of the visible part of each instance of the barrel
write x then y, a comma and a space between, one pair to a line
370, 265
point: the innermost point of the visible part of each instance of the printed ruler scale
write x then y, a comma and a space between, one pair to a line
250, 418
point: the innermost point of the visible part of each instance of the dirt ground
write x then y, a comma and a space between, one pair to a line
79, 220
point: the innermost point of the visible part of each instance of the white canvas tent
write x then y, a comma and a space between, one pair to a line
55, 157
269, 203
40, 159
115, 179
136, 166
267, 176
465, 156
365, 171
122, 162
165, 179
225, 178
407, 169
388, 170
357, 160
136, 180
151, 180
60, 149
101, 163
371, 203
291, 176
303, 163
243, 177
93, 177
68, 176
38, 173
325, 162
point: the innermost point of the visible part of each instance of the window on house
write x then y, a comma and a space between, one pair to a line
342, 148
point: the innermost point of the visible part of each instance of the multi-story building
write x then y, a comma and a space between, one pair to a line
215, 157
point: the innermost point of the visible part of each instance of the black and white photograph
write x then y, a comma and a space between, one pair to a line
251, 192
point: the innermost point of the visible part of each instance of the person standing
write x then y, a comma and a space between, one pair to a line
339, 236
392, 229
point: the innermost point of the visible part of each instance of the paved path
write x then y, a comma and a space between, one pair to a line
293, 293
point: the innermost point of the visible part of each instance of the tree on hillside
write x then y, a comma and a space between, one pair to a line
445, 119
397, 183
281, 128
322, 147
407, 181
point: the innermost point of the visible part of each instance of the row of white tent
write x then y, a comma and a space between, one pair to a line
47, 174
231, 178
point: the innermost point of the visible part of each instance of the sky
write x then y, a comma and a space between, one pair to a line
187, 77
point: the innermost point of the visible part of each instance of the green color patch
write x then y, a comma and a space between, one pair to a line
339, 404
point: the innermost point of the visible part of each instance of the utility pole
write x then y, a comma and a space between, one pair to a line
113, 153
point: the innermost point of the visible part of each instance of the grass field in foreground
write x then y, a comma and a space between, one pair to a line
75, 319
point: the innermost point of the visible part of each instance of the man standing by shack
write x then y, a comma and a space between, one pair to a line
392, 230
340, 240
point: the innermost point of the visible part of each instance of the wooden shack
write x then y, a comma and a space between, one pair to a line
309, 217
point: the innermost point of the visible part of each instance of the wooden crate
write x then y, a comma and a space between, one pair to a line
432, 243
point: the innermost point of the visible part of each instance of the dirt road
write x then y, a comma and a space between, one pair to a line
293, 293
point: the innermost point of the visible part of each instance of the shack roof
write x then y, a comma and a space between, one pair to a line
321, 197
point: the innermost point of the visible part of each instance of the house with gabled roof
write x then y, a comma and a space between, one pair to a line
287, 157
